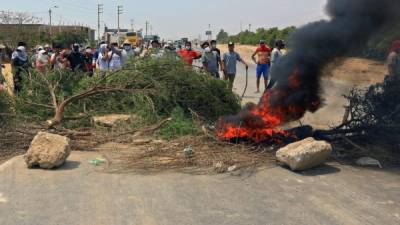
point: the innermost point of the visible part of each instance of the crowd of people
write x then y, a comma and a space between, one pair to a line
75, 58
111, 57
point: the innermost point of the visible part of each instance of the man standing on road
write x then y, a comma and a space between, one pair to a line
263, 53
230, 60
211, 60
188, 54
214, 48
277, 52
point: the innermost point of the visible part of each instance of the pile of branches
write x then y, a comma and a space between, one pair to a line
150, 88
372, 118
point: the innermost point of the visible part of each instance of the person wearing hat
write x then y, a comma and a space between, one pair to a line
230, 60
88, 60
20, 65
263, 53
42, 61
127, 52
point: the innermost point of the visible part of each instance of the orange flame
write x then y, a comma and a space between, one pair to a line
262, 122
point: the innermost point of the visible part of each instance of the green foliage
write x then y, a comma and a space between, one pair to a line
380, 43
5, 107
253, 38
151, 88
66, 39
222, 36
180, 125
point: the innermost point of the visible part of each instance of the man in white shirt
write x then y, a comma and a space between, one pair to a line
277, 52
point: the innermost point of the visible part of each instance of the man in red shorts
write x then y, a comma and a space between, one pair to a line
263, 54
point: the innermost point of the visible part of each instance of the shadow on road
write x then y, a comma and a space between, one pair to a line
321, 170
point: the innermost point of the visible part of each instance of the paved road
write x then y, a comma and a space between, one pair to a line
78, 194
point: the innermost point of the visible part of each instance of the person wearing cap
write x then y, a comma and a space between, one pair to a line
88, 60
42, 62
230, 60
127, 52
35, 54
188, 54
20, 65
211, 60
76, 58
263, 53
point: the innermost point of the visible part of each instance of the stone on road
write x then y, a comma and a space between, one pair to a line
304, 154
48, 151
81, 194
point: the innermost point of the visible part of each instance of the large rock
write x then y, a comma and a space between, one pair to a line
47, 151
111, 120
304, 154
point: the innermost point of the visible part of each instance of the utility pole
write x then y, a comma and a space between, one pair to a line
132, 24
99, 13
50, 15
147, 27
250, 27
120, 11
209, 33
50, 12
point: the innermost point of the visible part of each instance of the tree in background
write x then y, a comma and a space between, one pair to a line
66, 39
222, 36
252, 38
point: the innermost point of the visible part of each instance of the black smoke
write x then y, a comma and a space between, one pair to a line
352, 23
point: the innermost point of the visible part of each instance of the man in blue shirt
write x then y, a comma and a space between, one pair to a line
230, 60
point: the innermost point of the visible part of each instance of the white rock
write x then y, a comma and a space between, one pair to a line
232, 168
367, 161
47, 151
304, 154
111, 120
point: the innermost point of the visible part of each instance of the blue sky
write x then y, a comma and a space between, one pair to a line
177, 18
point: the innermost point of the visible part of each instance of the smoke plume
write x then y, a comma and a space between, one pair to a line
297, 90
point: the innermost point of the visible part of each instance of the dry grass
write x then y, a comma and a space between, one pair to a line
152, 156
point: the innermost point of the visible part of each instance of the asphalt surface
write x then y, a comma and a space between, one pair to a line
81, 194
